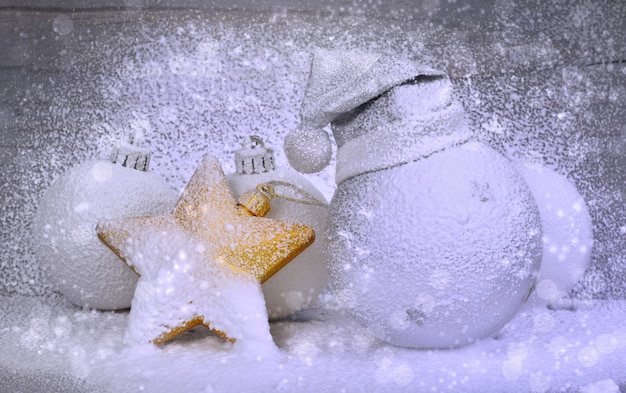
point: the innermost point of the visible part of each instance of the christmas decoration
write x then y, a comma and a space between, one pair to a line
202, 264
433, 240
567, 234
295, 199
77, 264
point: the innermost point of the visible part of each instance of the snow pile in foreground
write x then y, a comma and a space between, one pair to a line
48, 343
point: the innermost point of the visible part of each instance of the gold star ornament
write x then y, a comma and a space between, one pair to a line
204, 263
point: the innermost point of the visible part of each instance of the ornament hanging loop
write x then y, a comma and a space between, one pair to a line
304, 197
257, 201
267, 189
255, 141
255, 158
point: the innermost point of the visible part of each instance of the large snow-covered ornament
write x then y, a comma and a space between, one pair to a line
76, 262
297, 285
433, 240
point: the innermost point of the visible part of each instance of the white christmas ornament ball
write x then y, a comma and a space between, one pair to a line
76, 262
297, 285
437, 253
308, 150
567, 233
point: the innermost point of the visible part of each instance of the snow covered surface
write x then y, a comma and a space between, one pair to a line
542, 81
320, 350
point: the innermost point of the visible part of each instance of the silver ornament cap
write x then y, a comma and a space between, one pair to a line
254, 157
131, 156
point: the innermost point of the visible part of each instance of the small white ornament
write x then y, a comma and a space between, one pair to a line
76, 262
567, 233
297, 285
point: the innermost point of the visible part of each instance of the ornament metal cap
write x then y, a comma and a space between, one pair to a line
131, 156
254, 157
257, 201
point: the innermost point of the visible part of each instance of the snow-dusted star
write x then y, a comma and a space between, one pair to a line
202, 264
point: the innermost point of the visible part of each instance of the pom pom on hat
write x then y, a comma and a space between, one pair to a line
339, 82
308, 150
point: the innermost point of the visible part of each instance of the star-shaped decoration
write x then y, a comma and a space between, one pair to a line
203, 263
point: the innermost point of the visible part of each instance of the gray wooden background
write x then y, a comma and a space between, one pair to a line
541, 80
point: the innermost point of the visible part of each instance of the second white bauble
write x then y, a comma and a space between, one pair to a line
297, 285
